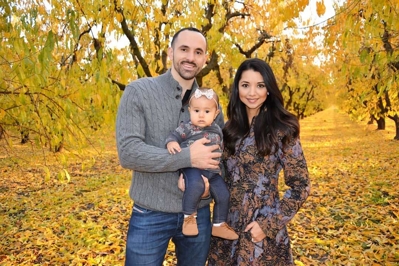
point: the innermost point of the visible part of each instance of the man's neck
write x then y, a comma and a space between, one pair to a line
184, 83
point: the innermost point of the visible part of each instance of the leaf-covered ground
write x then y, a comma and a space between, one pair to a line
80, 217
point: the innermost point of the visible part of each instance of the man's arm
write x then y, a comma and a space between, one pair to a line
133, 152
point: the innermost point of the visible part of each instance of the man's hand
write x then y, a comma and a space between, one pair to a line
202, 156
182, 185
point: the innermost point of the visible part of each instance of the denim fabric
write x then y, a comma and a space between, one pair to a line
150, 231
195, 188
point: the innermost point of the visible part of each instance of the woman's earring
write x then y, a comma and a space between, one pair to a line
267, 93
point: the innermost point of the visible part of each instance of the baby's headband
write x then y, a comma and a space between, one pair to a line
209, 93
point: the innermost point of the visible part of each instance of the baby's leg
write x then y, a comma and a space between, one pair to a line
194, 189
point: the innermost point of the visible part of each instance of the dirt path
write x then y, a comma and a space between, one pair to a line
351, 217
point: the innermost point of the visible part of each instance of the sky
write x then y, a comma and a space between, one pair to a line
309, 16
314, 19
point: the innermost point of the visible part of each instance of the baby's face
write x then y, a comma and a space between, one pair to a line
203, 111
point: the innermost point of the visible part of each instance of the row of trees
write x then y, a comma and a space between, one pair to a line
363, 53
64, 64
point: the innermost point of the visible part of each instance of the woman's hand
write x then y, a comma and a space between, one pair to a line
182, 187
257, 233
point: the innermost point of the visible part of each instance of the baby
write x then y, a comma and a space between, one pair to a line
203, 108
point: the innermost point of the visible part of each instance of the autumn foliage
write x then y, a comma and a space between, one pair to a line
65, 64
351, 217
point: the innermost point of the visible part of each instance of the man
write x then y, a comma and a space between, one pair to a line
149, 110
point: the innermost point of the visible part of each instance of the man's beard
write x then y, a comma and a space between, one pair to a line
186, 75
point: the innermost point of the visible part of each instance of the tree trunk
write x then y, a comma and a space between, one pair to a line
381, 123
371, 121
24, 136
1, 132
396, 119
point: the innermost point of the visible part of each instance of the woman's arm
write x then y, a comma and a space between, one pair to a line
296, 177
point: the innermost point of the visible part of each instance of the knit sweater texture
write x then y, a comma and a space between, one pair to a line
149, 109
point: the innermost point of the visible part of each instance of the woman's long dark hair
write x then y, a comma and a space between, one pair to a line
272, 117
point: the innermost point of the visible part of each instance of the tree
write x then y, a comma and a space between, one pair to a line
53, 89
301, 78
364, 38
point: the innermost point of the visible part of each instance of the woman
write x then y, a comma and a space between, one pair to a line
260, 138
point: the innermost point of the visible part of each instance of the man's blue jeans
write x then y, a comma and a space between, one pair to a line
150, 231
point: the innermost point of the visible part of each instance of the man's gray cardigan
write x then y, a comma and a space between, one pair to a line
150, 108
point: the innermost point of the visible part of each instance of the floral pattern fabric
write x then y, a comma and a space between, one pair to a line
254, 196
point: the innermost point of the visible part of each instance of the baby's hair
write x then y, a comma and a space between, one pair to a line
208, 93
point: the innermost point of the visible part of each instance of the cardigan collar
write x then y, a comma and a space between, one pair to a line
173, 86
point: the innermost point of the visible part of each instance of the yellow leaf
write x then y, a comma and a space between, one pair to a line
67, 175
2, 113
297, 262
47, 173
119, 17
320, 8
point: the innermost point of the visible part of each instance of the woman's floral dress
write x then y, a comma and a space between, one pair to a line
254, 196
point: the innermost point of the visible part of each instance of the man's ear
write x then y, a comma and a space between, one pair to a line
170, 53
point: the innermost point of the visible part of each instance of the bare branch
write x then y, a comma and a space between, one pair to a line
261, 40
132, 42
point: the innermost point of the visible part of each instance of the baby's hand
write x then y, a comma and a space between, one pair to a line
173, 147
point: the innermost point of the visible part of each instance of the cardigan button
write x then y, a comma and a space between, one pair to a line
177, 96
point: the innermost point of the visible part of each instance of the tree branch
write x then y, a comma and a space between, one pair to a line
132, 42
